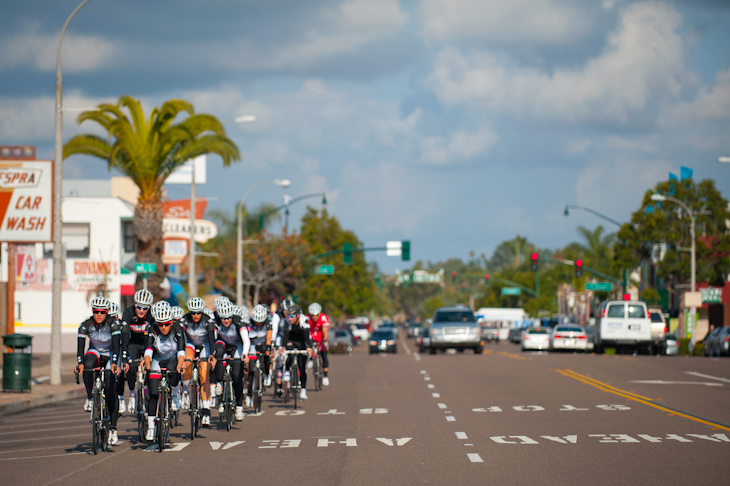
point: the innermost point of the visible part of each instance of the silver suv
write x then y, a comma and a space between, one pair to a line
455, 327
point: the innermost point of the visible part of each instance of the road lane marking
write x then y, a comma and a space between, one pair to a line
42, 438
436, 395
45, 430
431, 387
662, 382
461, 435
638, 398
512, 355
424, 372
442, 405
398, 442
41, 457
702, 375
405, 346
450, 418
475, 457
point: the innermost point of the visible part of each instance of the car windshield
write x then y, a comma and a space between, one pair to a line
568, 329
382, 335
615, 310
636, 311
454, 316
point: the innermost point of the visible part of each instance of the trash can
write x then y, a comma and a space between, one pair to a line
16, 365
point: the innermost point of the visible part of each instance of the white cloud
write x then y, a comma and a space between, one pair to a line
711, 103
505, 21
39, 50
643, 61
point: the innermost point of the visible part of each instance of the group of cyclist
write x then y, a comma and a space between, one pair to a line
161, 337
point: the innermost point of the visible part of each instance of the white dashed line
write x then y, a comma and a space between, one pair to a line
461, 435
475, 457
427, 378
442, 405
436, 395
450, 418
431, 387
423, 372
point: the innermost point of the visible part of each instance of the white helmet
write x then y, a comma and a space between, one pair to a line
159, 306
225, 310
163, 314
143, 297
209, 313
113, 309
219, 301
177, 312
100, 303
286, 304
196, 304
242, 312
260, 313
315, 309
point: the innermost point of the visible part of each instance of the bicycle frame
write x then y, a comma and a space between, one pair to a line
194, 397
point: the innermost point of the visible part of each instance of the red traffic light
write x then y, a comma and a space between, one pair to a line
486, 277
453, 274
579, 263
534, 256
627, 296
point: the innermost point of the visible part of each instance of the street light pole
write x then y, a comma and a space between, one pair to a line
58, 257
693, 265
284, 183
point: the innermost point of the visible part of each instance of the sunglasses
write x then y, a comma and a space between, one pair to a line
142, 307
293, 316
195, 313
165, 324
99, 312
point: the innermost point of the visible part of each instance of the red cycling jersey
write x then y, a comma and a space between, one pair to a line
317, 326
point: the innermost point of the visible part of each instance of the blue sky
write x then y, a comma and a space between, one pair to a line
456, 124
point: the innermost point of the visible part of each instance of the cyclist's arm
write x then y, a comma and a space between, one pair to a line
81, 346
149, 350
325, 329
211, 331
116, 343
243, 331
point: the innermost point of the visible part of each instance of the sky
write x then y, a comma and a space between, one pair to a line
455, 124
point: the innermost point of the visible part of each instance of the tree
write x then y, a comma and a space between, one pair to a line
598, 248
148, 151
351, 290
664, 228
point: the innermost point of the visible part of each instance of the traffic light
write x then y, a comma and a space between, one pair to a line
486, 279
533, 261
578, 268
405, 250
453, 276
627, 296
347, 253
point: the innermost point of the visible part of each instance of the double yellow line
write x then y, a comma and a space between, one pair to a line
636, 397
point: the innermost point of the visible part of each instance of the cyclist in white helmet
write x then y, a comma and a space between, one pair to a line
104, 334
259, 334
320, 326
200, 339
232, 342
136, 322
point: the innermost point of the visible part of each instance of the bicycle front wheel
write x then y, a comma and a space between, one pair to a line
162, 418
295, 384
193, 408
258, 390
104, 426
228, 412
95, 421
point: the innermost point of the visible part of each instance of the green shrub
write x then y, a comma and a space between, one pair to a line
697, 350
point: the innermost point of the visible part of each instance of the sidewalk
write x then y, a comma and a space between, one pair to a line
42, 392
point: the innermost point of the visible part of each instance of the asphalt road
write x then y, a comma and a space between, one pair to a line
503, 417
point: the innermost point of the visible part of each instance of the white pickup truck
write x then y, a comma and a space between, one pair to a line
623, 324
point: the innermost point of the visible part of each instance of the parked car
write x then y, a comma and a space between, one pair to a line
515, 335
455, 327
341, 335
568, 336
623, 323
361, 332
382, 341
673, 344
590, 332
490, 332
721, 343
709, 338
536, 338
423, 341
659, 330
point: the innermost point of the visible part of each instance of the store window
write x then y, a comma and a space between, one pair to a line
129, 243
76, 240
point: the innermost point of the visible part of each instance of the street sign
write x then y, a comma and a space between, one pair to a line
604, 286
511, 291
145, 267
324, 270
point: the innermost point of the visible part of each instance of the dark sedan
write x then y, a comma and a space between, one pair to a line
382, 341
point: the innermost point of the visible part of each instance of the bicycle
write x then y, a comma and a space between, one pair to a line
318, 369
196, 415
229, 396
100, 420
164, 411
293, 386
258, 382
140, 405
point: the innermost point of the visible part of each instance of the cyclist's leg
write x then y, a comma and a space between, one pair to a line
134, 352
325, 360
154, 393
236, 372
251, 365
302, 370
110, 389
220, 352
91, 361
204, 374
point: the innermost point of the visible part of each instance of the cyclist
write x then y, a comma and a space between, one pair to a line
297, 336
104, 333
177, 314
165, 349
275, 320
199, 338
232, 340
259, 334
136, 321
320, 324
114, 314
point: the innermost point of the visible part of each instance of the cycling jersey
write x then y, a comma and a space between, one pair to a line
317, 326
134, 328
162, 348
298, 335
104, 339
235, 334
257, 335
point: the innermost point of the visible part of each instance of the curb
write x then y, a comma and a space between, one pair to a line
39, 401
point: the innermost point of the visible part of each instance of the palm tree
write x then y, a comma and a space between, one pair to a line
148, 151
598, 248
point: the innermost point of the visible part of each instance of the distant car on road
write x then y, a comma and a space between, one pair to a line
423, 341
455, 327
382, 341
515, 335
623, 323
659, 330
536, 338
673, 344
341, 335
568, 336
490, 332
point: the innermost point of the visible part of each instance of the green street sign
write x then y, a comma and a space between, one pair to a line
324, 270
604, 286
145, 267
511, 291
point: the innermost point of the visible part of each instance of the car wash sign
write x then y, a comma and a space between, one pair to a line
26, 190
